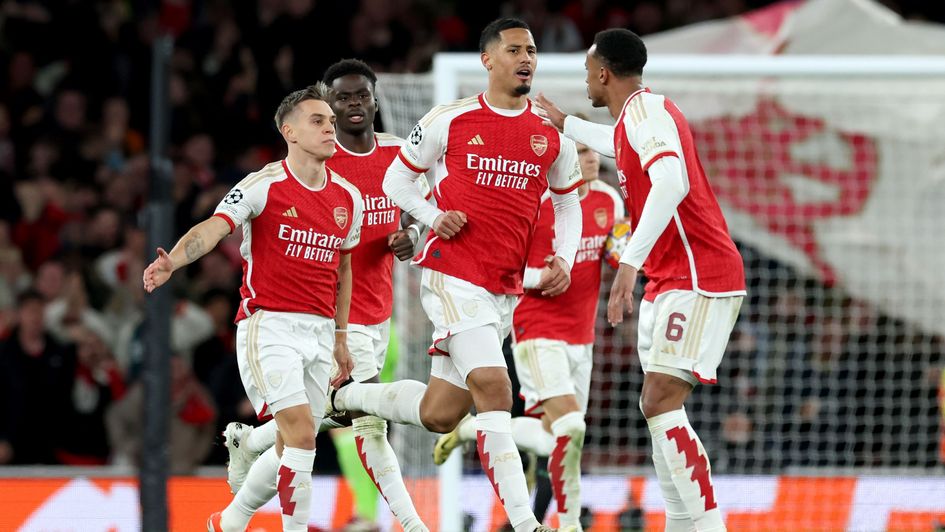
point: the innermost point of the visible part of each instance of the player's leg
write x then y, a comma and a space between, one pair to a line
677, 516
566, 415
244, 444
688, 340
478, 354
368, 346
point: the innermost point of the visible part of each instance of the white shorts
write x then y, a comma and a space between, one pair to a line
454, 306
368, 347
285, 360
684, 334
552, 368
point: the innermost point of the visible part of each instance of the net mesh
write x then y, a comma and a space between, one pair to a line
832, 189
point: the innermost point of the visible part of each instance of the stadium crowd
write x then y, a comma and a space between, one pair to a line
73, 180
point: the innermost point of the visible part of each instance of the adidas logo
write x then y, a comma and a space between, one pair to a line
476, 141
291, 213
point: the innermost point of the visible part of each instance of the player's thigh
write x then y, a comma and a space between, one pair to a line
319, 363
581, 357
544, 372
367, 345
689, 334
271, 367
455, 306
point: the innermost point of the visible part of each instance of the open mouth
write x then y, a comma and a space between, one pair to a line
523, 74
356, 118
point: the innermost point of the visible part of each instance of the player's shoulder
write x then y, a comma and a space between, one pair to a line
268, 174
446, 112
349, 187
386, 140
599, 187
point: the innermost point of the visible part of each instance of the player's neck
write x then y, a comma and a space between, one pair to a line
307, 169
621, 91
583, 190
504, 100
362, 142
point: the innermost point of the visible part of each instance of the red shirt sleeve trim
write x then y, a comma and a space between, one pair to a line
228, 220
410, 165
574, 186
659, 156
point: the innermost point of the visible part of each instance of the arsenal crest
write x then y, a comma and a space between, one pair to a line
600, 216
341, 216
539, 144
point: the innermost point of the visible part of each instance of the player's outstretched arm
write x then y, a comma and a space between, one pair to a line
598, 137
342, 311
195, 244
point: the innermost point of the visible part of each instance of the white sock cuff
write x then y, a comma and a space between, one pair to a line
495, 421
667, 419
570, 423
366, 426
298, 459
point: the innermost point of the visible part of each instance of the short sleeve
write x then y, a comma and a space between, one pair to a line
426, 143
357, 217
243, 202
651, 131
565, 173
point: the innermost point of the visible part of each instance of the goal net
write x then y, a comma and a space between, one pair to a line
831, 174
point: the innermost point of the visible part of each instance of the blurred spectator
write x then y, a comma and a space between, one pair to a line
192, 425
36, 376
98, 383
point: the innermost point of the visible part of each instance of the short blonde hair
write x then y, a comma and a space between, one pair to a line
318, 91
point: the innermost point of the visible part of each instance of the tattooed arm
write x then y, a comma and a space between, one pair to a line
195, 244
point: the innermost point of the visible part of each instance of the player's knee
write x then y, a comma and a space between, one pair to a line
654, 404
439, 421
494, 393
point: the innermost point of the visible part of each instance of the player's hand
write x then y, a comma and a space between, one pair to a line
448, 224
552, 114
344, 365
401, 242
158, 272
621, 294
555, 277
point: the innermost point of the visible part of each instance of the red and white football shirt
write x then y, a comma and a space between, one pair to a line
494, 165
695, 252
372, 263
570, 316
293, 238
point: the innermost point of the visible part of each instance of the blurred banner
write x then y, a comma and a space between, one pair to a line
750, 503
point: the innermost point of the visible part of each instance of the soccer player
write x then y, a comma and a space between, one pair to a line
363, 157
696, 278
553, 344
300, 221
494, 159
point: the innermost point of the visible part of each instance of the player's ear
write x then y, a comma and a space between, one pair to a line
486, 60
604, 75
287, 132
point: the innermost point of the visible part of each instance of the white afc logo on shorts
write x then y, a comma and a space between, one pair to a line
309, 244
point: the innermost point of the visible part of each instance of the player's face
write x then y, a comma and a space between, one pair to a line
595, 89
353, 103
512, 60
590, 163
312, 128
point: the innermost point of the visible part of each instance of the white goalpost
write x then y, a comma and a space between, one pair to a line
831, 173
